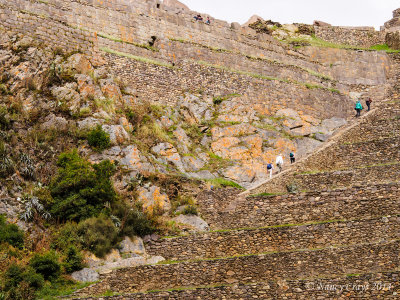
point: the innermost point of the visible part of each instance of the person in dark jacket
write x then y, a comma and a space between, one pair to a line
368, 102
292, 157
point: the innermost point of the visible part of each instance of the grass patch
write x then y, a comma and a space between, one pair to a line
384, 47
266, 195
222, 182
106, 104
59, 289
317, 42
118, 40
216, 163
138, 58
213, 49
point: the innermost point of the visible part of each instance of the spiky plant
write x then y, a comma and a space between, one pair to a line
34, 210
6, 163
27, 168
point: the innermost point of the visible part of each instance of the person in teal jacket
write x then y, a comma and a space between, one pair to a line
358, 108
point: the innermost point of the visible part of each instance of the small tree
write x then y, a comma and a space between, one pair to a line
98, 139
80, 189
99, 235
47, 265
73, 260
10, 233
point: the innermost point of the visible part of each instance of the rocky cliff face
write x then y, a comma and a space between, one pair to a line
182, 106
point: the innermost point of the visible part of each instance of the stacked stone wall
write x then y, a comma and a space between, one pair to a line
340, 179
263, 240
368, 286
152, 82
377, 131
259, 211
297, 264
47, 30
128, 27
363, 37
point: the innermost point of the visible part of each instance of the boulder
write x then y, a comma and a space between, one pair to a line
253, 19
89, 123
133, 246
118, 134
231, 131
134, 161
123, 121
77, 63
153, 200
195, 222
222, 146
87, 88
85, 275
292, 118
235, 26
67, 96
290, 27
330, 125
183, 139
168, 152
393, 39
154, 260
321, 23
110, 89
55, 123
322, 137
166, 122
194, 108
306, 146
241, 174
121, 263
192, 163
202, 175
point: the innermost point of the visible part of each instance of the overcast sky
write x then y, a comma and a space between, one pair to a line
336, 12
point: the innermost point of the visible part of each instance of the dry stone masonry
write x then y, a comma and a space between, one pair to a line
231, 96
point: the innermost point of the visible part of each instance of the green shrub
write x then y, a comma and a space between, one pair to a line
21, 282
98, 235
73, 260
67, 235
81, 190
190, 210
4, 120
133, 221
13, 276
35, 280
21, 292
98, 139
47, 265
11, 234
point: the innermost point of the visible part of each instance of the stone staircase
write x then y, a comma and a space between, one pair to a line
337, 238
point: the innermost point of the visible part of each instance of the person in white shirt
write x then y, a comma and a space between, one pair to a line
279, 162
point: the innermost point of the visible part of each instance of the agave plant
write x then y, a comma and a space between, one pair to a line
6, 163
116, 221
34, 210
27, 168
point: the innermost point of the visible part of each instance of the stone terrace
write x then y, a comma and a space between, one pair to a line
226, 59
291, 246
